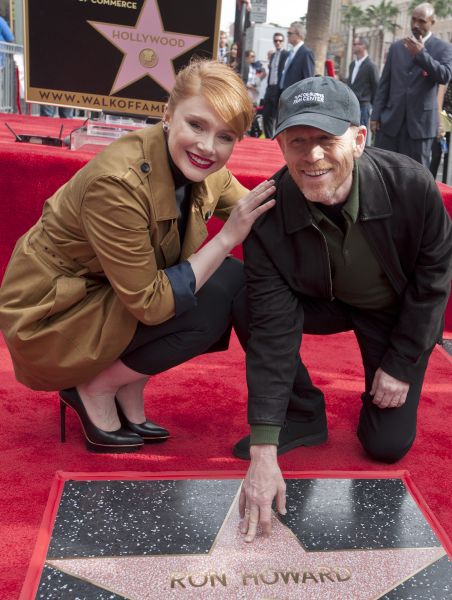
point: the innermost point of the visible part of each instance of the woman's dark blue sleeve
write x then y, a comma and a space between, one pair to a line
183, 283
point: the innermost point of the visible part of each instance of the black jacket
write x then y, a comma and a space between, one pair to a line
402, 216
408, 88
282, 61
301, 67
366, 81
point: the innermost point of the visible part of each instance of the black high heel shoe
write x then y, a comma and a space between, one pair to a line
148, 431
97, 440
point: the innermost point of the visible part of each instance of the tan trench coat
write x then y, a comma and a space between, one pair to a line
92, 267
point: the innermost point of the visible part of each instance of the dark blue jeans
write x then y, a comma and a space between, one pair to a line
365, 114
48, 110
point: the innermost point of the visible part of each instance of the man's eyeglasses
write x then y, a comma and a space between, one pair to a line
280, 41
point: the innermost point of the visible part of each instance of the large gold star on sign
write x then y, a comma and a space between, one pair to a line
278, 567
148, 48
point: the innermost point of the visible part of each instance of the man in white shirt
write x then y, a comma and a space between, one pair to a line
363, 78
275, 69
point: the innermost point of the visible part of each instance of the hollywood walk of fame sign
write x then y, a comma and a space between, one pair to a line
114, 55
357, 539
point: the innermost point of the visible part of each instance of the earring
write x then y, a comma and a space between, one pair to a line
165, 126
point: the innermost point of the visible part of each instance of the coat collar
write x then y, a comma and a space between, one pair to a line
363, 60
160, 177
374, 199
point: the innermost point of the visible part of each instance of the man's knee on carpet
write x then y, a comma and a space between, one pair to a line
383, 448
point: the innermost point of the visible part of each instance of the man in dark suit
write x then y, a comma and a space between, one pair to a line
405, 110
300, 62
363, 78
275, 69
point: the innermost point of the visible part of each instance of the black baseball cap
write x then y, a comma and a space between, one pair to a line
322, 102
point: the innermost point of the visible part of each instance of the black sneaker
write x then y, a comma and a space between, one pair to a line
292, 435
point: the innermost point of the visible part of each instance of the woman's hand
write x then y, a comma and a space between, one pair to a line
247, 210
208, 258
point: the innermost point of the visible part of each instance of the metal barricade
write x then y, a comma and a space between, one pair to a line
9, 80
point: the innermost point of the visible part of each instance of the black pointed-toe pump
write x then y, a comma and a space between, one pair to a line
97, 440
150, 432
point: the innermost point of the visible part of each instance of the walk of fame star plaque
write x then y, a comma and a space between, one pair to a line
347, 536
114, 55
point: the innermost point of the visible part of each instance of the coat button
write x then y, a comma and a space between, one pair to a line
145, 167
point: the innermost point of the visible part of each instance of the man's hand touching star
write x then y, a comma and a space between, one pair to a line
263, 482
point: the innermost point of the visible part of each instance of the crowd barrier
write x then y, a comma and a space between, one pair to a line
11, 56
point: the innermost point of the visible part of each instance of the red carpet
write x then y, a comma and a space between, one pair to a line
203, 403
31, 173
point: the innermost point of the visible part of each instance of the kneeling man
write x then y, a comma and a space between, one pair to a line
359, 240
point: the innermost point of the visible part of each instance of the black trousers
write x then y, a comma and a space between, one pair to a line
204, 328
270, 109
386, 434
419, 149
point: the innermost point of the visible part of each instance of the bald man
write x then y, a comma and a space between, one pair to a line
405, 111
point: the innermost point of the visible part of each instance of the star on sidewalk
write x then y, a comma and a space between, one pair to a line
278, 567
148, 48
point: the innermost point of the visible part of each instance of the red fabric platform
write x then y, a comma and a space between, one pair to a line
203, 403
30, 173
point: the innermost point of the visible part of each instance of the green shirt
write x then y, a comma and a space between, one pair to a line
357, 276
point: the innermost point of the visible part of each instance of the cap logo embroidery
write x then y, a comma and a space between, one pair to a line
309, 97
